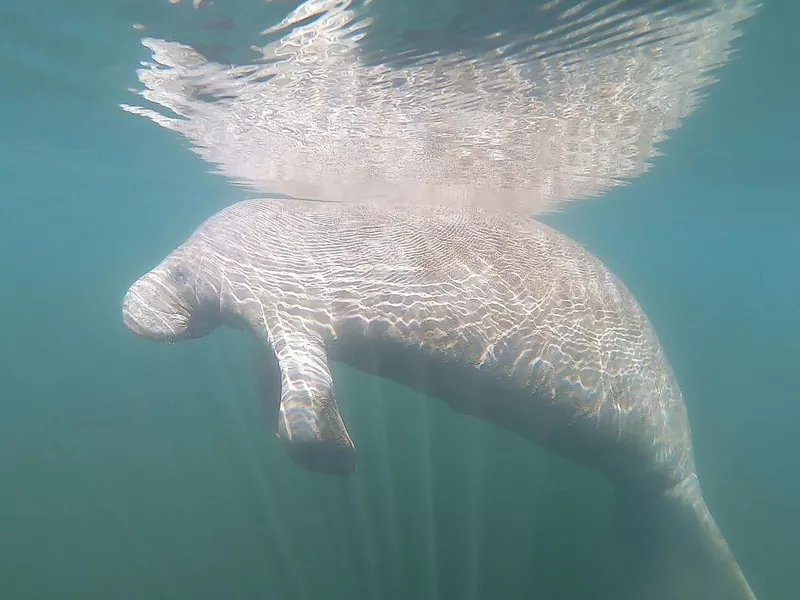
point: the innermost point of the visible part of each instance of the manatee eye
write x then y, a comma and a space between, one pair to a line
179, 275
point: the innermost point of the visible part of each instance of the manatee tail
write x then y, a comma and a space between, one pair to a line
673, 549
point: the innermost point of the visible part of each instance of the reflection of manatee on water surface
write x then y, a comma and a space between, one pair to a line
525, 107
499, 316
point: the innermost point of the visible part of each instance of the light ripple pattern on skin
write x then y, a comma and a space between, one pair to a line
500, 316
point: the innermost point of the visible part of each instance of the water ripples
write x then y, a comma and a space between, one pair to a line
507, 104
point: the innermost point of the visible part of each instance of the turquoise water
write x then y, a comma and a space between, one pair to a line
133, 470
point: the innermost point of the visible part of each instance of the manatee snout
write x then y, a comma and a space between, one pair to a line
152, 310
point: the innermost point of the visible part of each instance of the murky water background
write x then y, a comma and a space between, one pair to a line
132, 470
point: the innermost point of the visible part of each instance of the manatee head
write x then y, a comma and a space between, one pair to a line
178, 300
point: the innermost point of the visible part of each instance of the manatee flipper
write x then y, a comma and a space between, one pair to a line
308, 420
673, 548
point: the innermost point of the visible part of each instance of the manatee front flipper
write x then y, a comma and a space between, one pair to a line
308, 420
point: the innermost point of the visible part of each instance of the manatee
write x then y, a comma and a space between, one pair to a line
500, 316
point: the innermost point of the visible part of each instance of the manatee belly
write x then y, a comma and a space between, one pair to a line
559, 425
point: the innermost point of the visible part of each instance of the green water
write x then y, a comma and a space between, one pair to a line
132, 470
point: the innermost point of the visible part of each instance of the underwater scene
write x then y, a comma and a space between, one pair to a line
383, 299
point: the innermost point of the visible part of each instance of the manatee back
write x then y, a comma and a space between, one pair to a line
504, 293
583, 370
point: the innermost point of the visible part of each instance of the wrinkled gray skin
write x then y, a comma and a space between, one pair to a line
500, 316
